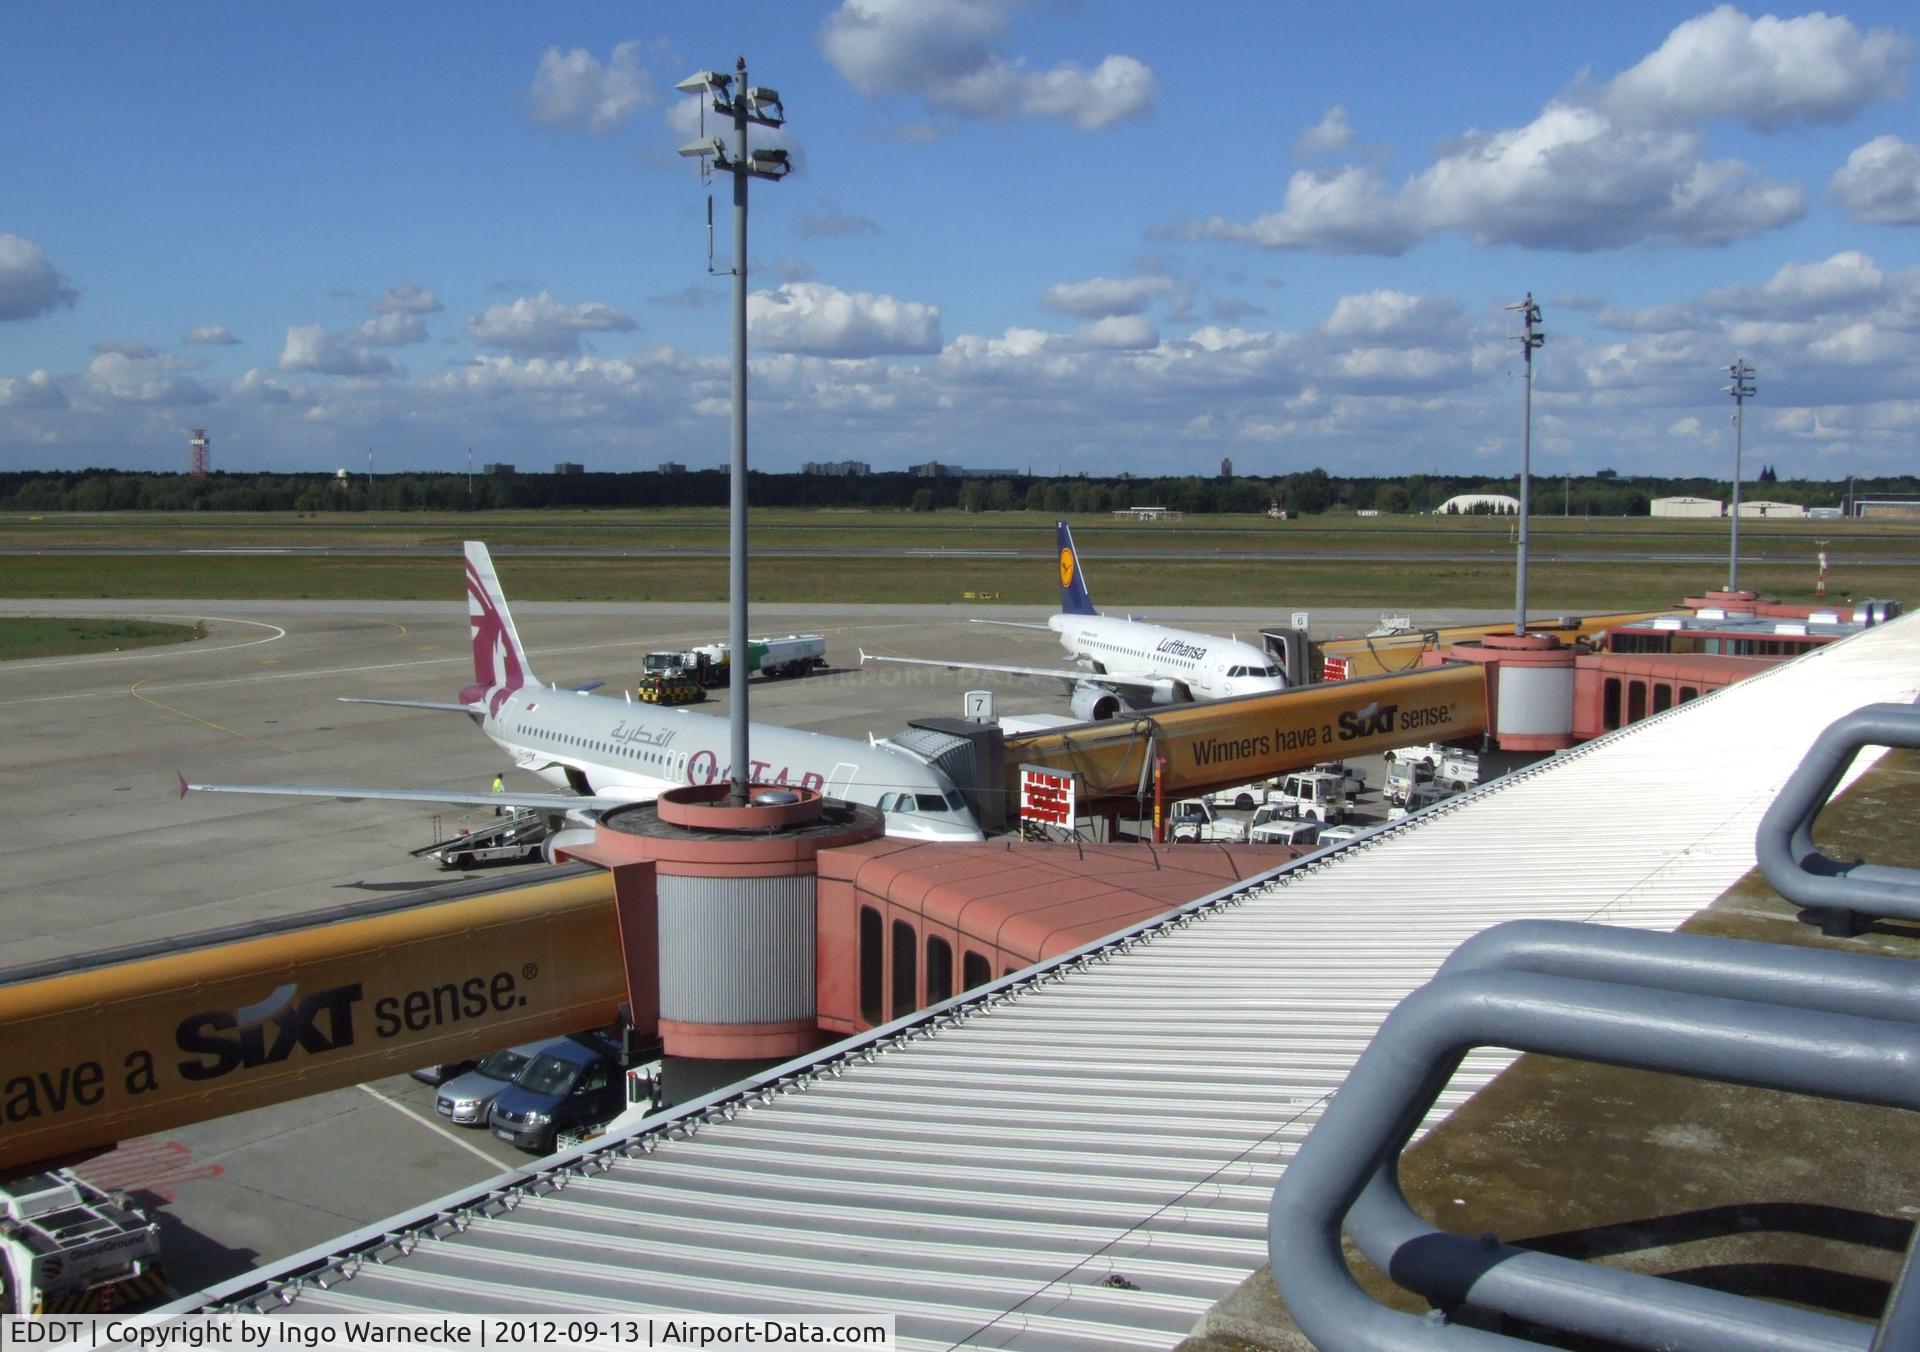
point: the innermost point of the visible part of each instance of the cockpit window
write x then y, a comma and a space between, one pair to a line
1236, 671
930, 802
956, 802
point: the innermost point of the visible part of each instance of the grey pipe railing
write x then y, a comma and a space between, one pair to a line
1676, 1013
1843, 897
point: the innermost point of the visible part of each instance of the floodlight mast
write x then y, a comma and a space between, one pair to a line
733, 97
1529, 340
1742, 389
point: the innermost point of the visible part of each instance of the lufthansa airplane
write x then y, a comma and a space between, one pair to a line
1128, 662
610, 752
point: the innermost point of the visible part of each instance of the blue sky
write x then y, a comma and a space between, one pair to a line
1059, 236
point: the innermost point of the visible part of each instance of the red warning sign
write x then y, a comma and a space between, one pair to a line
1046, 795
1336, 669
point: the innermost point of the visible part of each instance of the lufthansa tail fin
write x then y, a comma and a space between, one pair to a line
499, 662
1073, 582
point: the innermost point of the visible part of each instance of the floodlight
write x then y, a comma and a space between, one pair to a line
769, 160
704, 79
761, 94
713, 146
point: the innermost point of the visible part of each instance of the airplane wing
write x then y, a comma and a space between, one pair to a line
1015, 624
447, 705
546, 802
1067, 674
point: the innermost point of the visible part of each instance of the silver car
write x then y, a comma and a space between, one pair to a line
466, 1099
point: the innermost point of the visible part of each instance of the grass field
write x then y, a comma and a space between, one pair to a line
1635, 568
67, 638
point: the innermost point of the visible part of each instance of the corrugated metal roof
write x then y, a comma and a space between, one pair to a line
1085, 1159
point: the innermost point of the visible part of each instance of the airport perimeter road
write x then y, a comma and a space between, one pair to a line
100, 851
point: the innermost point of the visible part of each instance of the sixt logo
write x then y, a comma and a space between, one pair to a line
1173, 647
1375, 719
226, 1041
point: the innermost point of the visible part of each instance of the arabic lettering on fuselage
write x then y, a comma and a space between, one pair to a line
1173, 647
704, 768
639, 734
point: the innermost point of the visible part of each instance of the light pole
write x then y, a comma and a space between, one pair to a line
1741, 389
1529, 340
734, 98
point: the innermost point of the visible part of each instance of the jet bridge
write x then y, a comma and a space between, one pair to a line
1220, 743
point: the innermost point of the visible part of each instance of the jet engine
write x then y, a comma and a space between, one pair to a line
1091, 703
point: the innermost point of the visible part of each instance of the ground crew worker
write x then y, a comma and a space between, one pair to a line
500, 786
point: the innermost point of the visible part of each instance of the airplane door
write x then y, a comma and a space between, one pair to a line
840, 780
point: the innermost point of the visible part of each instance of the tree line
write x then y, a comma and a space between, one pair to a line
1306, 493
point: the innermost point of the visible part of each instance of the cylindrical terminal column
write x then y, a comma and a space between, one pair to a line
1529, 689
736, 890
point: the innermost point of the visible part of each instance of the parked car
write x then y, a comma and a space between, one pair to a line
468, 1099
576, 1082
1193, 819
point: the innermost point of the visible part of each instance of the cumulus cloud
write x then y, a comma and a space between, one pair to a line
258, 385
1113, 333
125, 378
1345, 211
1332, 133
1799, 290
947, 51
1880, 182
831, 222
1392, 316
126, 347
1102, 296
544, 325
30, 285
209, 335
1767, 72
309, 347
36, 389
404, 298
812, 317
392, 329
575, 89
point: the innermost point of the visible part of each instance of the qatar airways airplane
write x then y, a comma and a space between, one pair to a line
1128, 663
610, 752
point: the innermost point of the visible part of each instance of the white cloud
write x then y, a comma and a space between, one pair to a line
812, 317
1378, 316
258, 385
129, 379
30, 285
126, 347
1571, 179
1101, 296
1880, 182
1332, 133
574, 89
391, 329
404, 298
209, 335
36, 389
309, 347
1117, 333
1766, 72
946, 51
544, 325
1345, 211
1798, 290
1684, 427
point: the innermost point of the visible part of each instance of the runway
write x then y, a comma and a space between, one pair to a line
100, 851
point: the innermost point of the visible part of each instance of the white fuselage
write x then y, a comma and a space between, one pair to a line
1203, 665
591, 743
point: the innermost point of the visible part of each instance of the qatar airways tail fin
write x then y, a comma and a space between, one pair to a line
1073, 583
499, 661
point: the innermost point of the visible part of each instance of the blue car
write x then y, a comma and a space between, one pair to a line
572, 1083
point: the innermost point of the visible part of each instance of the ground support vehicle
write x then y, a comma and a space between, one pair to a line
710, 664
1195, 819
67, 1247
1403, 775
1450, 765
1352, 782
1273, 825
1313, 793
669, 687
1418, 797
1242, 796
643, 1100
516, 838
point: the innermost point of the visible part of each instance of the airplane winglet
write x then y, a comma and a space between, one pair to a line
863, 656
183, 783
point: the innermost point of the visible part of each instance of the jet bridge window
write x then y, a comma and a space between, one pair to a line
939, 970
975, 969
873, 958
906, 977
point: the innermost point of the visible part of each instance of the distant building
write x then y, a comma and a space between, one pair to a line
1491, 504
934, 469
1886, 506
837, 469
1147, 514
1686, 507
1781, 509
669, 467
1226, 467
499, 469
568, 467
